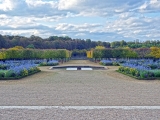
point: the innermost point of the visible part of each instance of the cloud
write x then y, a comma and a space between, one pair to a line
135, 27
98, 20
29, 7
150, 6
82, 28
99, 8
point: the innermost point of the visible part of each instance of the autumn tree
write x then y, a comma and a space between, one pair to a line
155, 52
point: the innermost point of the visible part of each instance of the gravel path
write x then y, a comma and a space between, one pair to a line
58, 114
79, 88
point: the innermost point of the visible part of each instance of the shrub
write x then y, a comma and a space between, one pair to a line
36, 69
137, 73
43, 64
132, 71
10, 73
31, 70
115, 64
106, 62
153, 66
121, 69
143, 74
49, 63
24, 72
52, 64
156, 73
126, 70
2, 74
151, 74
3, 67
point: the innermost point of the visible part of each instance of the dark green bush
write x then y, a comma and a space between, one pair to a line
137, 74
151, 74
10, 74
121, 69
153, 66
52, 64
156, 73
24, 72
115, 64
132, 71
144, 74
2, 74
3, 67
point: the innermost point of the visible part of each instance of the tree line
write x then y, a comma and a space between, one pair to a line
55, 42
152, 52
19, 53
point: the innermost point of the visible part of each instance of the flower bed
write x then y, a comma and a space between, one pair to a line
17, 69
109, 63
141, 69
49, 63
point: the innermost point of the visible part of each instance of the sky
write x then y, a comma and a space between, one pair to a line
104, 20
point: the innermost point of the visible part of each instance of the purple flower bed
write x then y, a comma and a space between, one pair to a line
143, 69
109, 63
49, 63
18, 68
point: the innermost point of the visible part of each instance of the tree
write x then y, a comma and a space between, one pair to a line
2, 42
117, 53
97, 53
155, 52
2, 55
100, 47
142, 52
128, 53
30, 46
123, 43
115, 44
106, 44
88, 43
107, 53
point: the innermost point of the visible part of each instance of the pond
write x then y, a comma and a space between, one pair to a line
78, 67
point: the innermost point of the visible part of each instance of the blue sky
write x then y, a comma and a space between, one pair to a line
105, 20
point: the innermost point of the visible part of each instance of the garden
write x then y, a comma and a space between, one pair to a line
137, 68
139, 63
16, 69
16, 63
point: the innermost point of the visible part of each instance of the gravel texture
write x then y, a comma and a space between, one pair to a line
58, 114
80, 88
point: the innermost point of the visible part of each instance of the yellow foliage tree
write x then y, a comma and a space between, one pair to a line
68, 54
90, 54
155, 52
2, 55
16, 48
100, 47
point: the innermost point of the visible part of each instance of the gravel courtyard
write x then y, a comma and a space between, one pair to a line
79, 88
